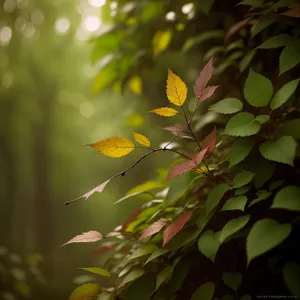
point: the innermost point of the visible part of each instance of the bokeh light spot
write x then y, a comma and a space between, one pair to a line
97, 3
187, 8
170, 16
37, 17
9, 6
87, 109
62, 25
92, 23
5, 35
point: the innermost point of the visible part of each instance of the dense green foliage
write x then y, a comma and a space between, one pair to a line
222, 223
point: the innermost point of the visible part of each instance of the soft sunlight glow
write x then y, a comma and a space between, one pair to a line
5, 35
87, 109
92, 23
113, 5
37, 17
97, 3
9, 6
62, 25
29, 31
22, 4
170, 16
187, 8
169, 145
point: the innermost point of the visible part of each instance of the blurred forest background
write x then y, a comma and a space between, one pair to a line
76, 72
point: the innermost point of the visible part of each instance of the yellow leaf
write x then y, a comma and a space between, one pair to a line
135, 84
141, 139
176, 89
165, 111
161, 41
114, 147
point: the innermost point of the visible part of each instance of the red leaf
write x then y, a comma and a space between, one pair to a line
85, 237
208, 92
176, 226
186, 166
204, 77
236, 27
176, 128
210, 141
130, 219
294, 11
154, 228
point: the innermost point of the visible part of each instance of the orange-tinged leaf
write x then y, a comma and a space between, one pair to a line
176, 128
141, 139
176, 226
165, 111
176, 89
207, 92
85, 291
85, 237
294, 11
154, 228
186, 166
210, 141
114, 147
235, 28
204, 77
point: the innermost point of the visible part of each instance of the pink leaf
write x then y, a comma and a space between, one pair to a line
186, 166
207, 92
204, 77
154, 228
85, 237
176, 226
210, 141
235, 28
176, 128
294, 11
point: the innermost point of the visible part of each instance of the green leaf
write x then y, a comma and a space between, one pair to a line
242, 179
246, 60
239, 151
291, 128
205, 5
263, 196
242, 124
85, 291
233, 280
282, 150
208, 244
276, 184
237, 203
265, 235
178, 277
290, 56
241, 191
204, 292
133, 275
258, 89
205, 36
142, 251
263, 23
262, 118
156, 253
276, 41
164, 275
202, 221
142, 286
291, 275
98, 271
284, 94
288, 198
227, 106
233, 226
214, 196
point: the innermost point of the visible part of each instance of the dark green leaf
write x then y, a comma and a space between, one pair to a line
214, 196
241, 191
237, 203
233, 280
283, 95
178, 277
291, 128
275, 184
262, 118
209, 244
239, 151
156, 253
204, 292
242, 124
282, 150
142, 251
263, 23
288, 198
133, 275
258, 89
163, 276
233, 226
276, 41
290, 56
263, 196
265, 235
246, 60
242, 179
291, 275
205, 5
143, 286
227, 106
98, 271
